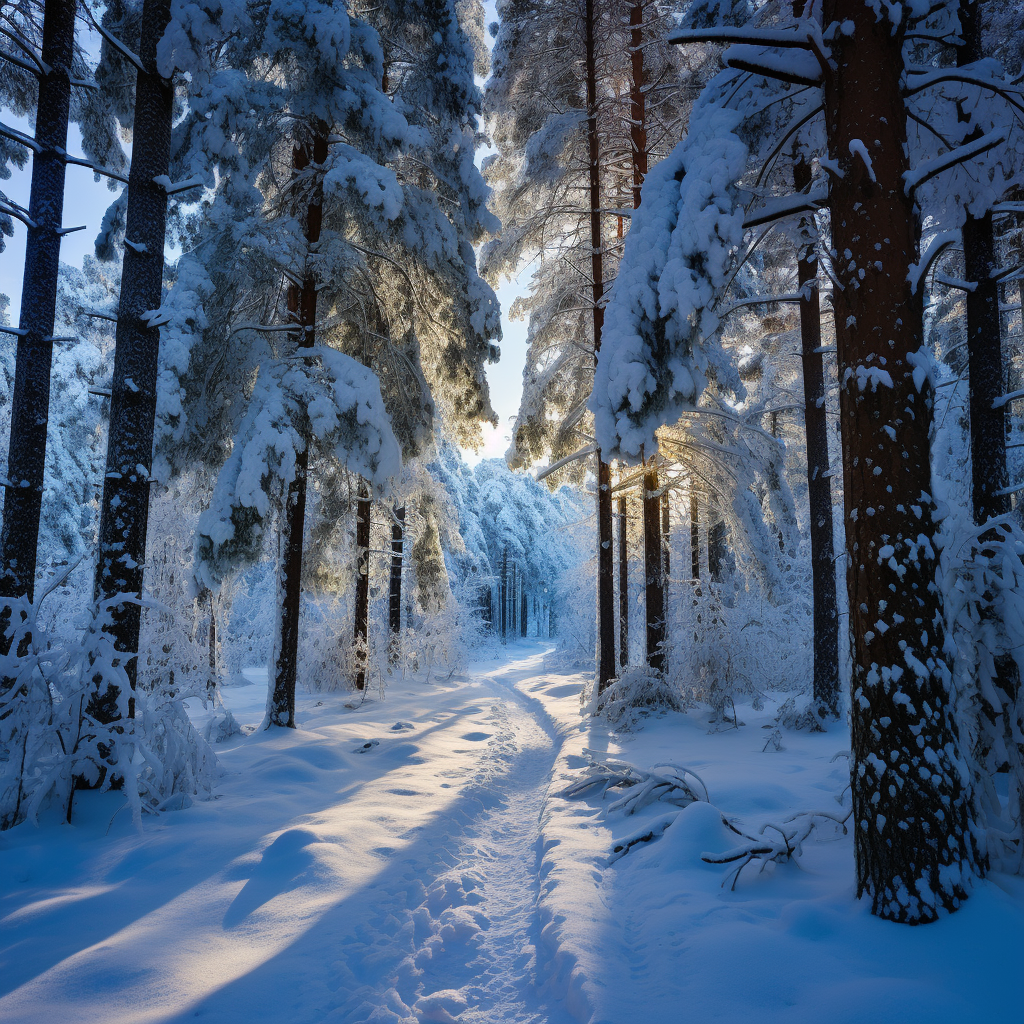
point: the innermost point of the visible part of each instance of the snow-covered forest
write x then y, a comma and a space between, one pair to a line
690, 707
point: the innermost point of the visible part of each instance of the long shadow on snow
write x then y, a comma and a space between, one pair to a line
163, 855
359, 944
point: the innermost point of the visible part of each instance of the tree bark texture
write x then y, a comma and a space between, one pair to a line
819, 488
623, 585
911, 796
364, 510
524, 618
984, 345
30, 403
124, 511
654, 591
395, 590
605, 557
302, 305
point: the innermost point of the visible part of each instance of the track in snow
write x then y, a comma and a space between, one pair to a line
479, 963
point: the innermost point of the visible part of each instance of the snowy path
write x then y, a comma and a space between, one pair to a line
377, 864
413, 860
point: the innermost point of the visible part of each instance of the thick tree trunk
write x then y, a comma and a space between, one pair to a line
819, 488
605, 557
623, 585
364, 510
124, 511
30, 403
912, 803
395, 592
654, 591
302, 305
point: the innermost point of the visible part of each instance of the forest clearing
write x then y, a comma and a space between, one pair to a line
511, 511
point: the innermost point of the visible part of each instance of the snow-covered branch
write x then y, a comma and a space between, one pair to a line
780, 208
928, 169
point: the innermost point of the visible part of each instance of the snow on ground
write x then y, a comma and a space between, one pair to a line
411, 859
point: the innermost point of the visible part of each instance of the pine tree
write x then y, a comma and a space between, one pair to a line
30, 400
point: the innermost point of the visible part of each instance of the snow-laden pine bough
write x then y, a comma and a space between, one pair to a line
670, 783
664, 782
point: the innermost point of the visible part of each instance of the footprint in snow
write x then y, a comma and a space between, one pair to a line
399, 726
368, 745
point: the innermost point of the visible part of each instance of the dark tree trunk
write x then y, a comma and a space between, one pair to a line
124, 511
819, 488
654, 591
364, 510
302, 305
623, 585
666, 542
913, 845
503, 596
30, 403
395, 592
523, 612
984, 346
211, 641
694, 538
605, 557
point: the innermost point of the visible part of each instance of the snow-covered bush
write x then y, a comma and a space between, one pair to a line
637, 692
56, 739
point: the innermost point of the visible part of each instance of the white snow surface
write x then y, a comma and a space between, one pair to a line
411, 859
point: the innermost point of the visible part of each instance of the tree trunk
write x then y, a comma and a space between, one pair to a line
395, 592
984, 346
364, 510
302, 305
503, 596
523, 612
694, 538
211, 641
623, 585
124, 511
654, 591
666, 542
30, 403
605, 559
819, 488
913, 845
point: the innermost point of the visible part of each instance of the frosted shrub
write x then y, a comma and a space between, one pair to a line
151, 751
719, 653
637, 693
327, 655
573, 622
983, 570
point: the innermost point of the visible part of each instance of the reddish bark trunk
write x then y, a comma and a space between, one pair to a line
912, 804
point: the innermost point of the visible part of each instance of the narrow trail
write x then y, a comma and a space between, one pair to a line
378, 865
489, 930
